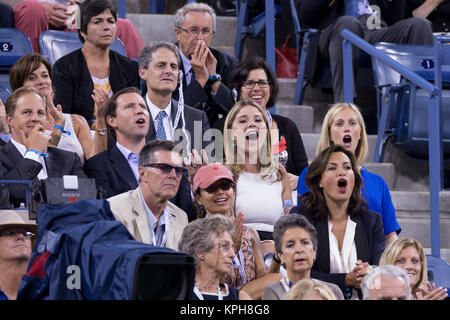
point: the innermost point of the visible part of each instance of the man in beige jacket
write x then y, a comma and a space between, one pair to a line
146, 211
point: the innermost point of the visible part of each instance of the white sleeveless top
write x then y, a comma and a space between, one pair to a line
259, 200
71, 142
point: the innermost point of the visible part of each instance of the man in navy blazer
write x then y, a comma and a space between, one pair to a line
26, 156
158, 67
205, 70
115, 170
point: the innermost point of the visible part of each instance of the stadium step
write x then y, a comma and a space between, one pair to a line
413, 214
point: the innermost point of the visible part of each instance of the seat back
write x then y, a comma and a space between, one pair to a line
14, 44
409, 108
55, 44
414, 57
438, 271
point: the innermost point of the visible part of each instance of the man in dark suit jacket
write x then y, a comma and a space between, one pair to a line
115, 170
26, 156
205, 86
158, 66
388, 25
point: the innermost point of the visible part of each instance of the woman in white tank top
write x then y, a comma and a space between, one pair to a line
262, 184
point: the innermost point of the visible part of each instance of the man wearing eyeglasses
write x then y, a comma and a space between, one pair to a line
146, 211
205, 70
15, 250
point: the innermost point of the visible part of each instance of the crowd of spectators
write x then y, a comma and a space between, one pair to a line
221, 200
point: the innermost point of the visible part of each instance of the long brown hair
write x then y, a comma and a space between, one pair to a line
314, 201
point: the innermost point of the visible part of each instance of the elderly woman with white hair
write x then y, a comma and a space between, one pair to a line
344, 125
210, 241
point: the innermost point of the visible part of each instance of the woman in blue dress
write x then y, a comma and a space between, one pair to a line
344, 125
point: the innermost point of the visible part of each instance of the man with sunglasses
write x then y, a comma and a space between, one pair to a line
205, 70
15, 250
146, 211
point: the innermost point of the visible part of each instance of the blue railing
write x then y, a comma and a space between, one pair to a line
434, 118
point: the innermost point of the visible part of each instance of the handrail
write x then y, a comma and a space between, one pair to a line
436, 172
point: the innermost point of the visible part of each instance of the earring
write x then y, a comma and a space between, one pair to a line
202, 258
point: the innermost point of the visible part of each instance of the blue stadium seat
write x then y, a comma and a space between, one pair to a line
403, 107
13, 45
303, 37
5, 90
254, 26
438, 271
56, 44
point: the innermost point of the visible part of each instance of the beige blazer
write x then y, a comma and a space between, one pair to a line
129, 209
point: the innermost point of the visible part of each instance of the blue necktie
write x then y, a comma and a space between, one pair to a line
351, 8
160, 132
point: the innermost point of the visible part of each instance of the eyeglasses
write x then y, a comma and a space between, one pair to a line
167, 168
15, 233
250, 84
196, 31
223, 184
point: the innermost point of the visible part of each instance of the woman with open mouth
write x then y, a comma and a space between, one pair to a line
344, 125
262, 183
408, 254
253, 79
350, 237
214, 190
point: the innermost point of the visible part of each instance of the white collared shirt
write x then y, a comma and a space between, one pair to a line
343, 261
167, 121
33, 156
132, 159
153, 223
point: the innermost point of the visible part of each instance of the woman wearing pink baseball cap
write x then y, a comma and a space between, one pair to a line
215, 189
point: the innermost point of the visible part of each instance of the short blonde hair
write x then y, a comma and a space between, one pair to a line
304, 286
391, 253
325, 140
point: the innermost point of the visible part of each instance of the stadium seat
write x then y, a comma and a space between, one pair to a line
13, 45
403, 107
438, 271
254, 26
323, 80
56, 44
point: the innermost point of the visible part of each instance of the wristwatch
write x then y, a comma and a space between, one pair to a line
101, 131
214, 78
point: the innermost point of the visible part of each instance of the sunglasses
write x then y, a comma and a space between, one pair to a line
223, 184
15, 233
167, 168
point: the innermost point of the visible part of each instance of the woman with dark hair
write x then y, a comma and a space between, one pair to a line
350, 237
91, 75
296, 245
253, 79
69, 131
